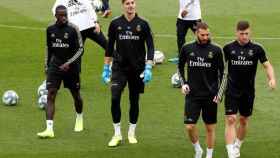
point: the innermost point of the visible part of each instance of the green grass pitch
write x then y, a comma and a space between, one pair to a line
160, 128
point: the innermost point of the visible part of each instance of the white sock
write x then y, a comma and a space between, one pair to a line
49, 124
117, 127
209, 152
238, 142
131, 129
197, 146
229, 148
79, 116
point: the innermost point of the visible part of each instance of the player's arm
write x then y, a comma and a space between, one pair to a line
48, 53
93, 16
147, 73
189, 4
185, 9
150, 45
181, 70
267, 66
223, 72
78, 42
181, 66
106, 74
111, 44
270, 74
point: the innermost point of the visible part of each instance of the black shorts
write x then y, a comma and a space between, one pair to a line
184, 25
193, 108
71, 80
120, 78
99, 38
243, 104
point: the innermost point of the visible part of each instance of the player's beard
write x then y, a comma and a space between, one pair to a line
204, 41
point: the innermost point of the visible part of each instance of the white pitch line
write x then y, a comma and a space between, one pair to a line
219, 37
156, 35
21, 27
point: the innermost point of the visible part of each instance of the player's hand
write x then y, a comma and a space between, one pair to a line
185, 89
106, 74
147, 73
216, 99
97, 28
64, 67
272, 84
184, 13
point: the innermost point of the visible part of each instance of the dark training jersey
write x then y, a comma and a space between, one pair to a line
64, 45
242, 67
205, 68
130, 38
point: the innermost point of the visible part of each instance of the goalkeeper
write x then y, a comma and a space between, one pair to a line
129, 33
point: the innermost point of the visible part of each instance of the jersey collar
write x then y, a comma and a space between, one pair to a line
136, 16
244, 46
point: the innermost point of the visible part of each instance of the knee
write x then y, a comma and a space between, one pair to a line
134, 96
116, 94
190, 127
51, 95
231, 120
115, 97
243, 121
78, 97
210, 129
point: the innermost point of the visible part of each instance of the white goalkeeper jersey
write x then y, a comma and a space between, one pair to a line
80, 12
192, 7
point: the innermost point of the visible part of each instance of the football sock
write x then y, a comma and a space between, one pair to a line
131, 129
209, 152
238, 142
79, 115
229, 148
117, 127
49, 124
197, 146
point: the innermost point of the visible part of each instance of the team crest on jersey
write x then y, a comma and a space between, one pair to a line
192, 54
119, 28
66, 35
250, 52
233, 52
210, 55
241, 52
73, 2
52, 35
138, 28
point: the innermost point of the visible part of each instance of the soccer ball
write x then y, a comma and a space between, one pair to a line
158, 57
42, 89
97, 4
42, 101
175, 80
10, 97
